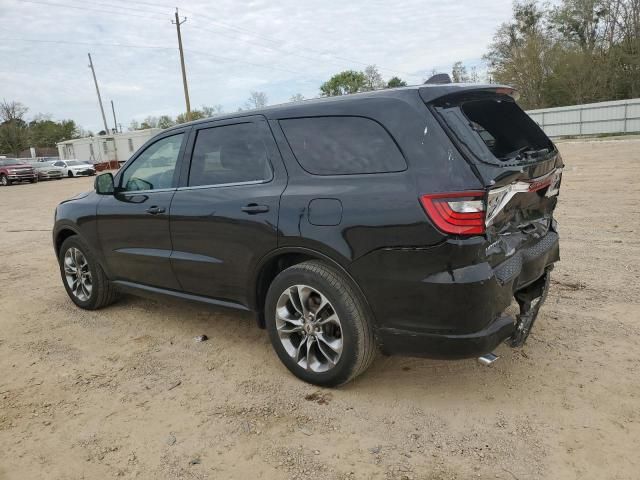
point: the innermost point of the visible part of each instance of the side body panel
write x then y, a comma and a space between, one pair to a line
133, 228
220, 232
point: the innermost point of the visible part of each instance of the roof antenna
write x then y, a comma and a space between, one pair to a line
438, 79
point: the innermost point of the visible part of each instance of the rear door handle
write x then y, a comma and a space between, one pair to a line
254, 208
155, 210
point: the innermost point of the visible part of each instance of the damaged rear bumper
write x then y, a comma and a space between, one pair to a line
460, 313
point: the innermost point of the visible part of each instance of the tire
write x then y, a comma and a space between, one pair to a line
4, 181
102, 293
70, 174
353, 332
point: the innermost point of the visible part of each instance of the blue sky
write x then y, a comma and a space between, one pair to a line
231, 47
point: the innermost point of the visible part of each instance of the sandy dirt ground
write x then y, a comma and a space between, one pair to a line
127, 392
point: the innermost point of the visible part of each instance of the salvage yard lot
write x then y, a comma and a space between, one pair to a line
126, 392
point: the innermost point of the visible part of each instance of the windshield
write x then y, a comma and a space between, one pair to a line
74, 163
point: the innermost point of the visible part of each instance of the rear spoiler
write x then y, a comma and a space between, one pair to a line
431, 92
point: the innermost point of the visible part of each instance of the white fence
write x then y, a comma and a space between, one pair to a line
619, 116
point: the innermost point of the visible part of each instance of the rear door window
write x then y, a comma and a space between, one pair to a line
229, 154
342, 145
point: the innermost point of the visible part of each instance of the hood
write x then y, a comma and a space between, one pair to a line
18, 165
49, 167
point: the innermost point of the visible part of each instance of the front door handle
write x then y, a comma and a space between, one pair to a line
155, 210
254, 208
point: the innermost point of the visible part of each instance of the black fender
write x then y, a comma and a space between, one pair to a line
339, 264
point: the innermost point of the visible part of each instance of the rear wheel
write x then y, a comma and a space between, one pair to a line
83, 278
318, 324
4, 181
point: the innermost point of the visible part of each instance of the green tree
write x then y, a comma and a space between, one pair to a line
165, 121
343, 83
521, 53
195, 115
459, 73
372, 79
14, 132
579, 51
210, 111
44, 132
395, 82
149, 122
256, 100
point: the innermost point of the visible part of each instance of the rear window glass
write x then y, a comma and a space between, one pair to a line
498, 125
342, 145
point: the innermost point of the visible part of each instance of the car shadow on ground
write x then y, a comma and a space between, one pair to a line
386, 376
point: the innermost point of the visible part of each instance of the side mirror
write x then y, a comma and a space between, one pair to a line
103, 184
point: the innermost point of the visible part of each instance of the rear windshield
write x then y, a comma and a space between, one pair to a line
342, 145
496, 128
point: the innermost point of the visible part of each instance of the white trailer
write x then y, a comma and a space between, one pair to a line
117, 147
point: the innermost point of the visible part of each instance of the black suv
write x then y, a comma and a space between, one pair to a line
404, 220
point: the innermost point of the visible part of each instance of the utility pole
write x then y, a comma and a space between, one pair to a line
115, 122
177, 23
104, 119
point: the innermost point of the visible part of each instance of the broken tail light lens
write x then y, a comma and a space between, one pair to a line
457, 213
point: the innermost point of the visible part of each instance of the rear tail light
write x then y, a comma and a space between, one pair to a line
458, 213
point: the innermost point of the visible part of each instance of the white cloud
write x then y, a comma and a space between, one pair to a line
232, 47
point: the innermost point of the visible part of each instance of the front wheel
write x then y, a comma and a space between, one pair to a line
70, 174
318, 324
4, 181
83, 278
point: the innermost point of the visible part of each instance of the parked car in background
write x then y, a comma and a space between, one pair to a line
49, 171
16, 170
74, 168
48, 159
406, 219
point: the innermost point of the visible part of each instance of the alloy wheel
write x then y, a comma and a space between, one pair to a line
309, 328
78, 274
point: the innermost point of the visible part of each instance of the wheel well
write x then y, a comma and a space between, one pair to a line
270, 271
61, 237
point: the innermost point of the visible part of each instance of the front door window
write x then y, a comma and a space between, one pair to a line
154, 168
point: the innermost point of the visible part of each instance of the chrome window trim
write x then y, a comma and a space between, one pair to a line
218, 185
136, 192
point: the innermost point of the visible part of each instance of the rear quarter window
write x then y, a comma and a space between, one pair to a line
342, 145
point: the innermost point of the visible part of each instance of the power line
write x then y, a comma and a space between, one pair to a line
69, 42
154, 47
278, 42
116, 12
222, 24
141, 16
